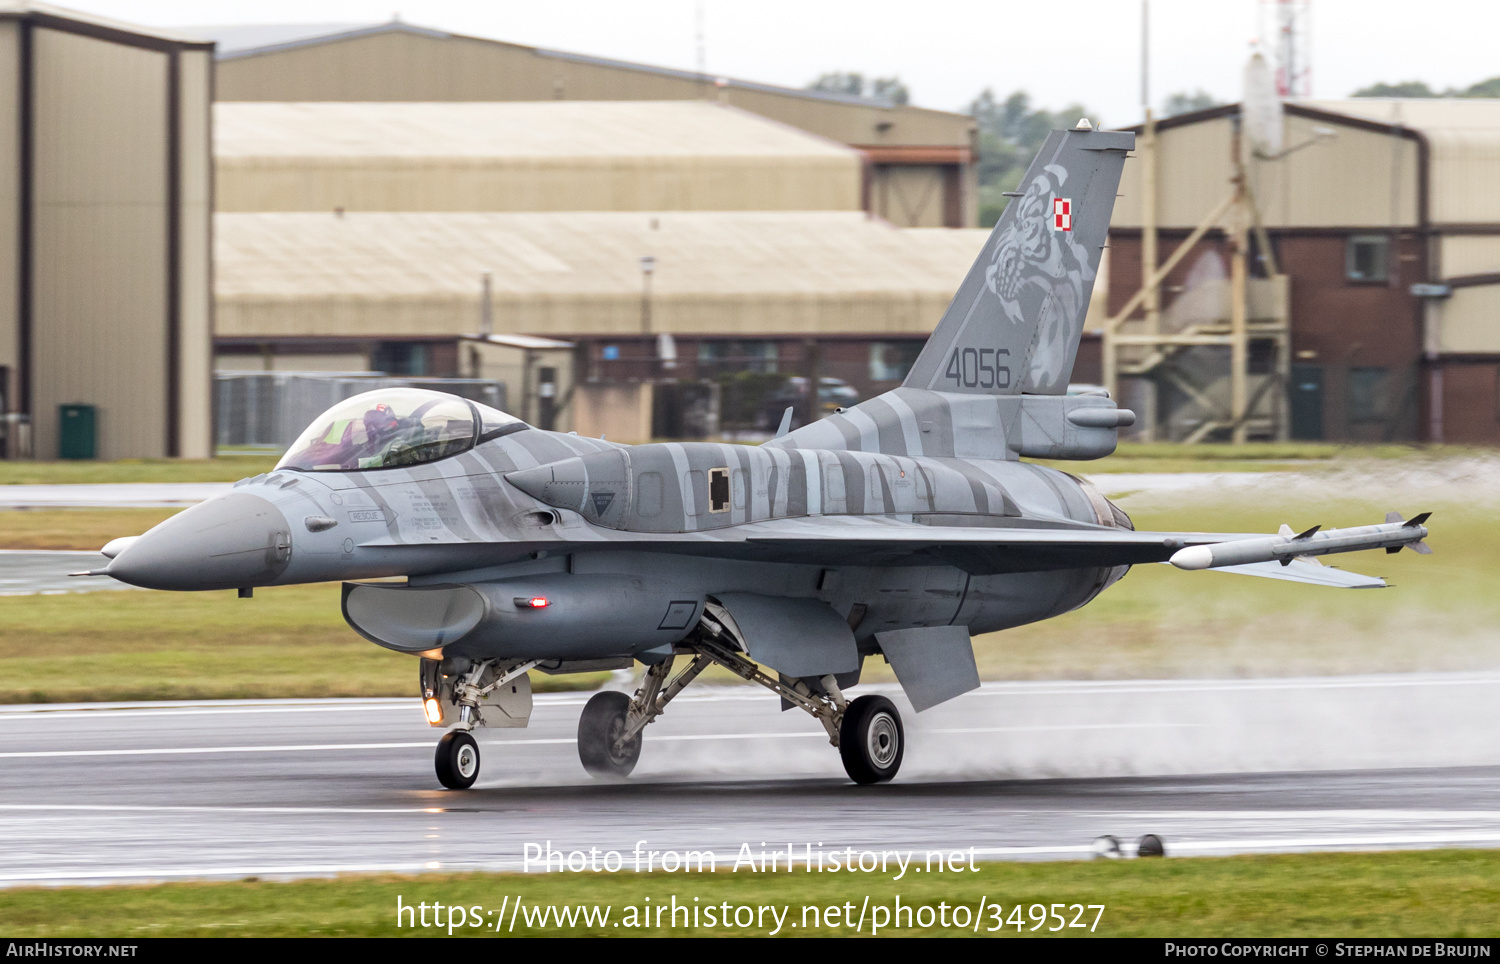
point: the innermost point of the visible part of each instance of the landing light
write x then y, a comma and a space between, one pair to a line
531, 602
433, 710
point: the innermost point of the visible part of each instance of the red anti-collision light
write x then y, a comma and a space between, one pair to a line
531, 602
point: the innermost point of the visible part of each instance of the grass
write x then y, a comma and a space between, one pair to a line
1130, 457
226, 468
287, 642
1256, 457
1411, 894
1156, 623
74, 528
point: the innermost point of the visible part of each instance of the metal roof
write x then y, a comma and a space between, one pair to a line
101, 26
509, 129
371, 255
253, 40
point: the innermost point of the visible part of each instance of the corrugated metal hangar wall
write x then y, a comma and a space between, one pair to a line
1385, 217
105, 207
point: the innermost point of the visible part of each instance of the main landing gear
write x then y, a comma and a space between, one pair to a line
867, 731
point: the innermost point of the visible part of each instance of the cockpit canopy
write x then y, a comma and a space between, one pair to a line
394, 428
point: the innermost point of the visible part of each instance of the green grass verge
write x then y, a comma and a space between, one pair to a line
140, 645
74, 528
227, 468
1257, 457
1130, 457
1412, 894
1158, 622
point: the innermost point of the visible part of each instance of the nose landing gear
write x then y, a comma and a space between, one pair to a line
457, 760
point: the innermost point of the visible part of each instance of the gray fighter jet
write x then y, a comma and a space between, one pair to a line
896, 528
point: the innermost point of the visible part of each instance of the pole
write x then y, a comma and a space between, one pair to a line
1239, 346
1149, 257
648, 265
486, 304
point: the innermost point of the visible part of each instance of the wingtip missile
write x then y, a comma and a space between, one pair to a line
1392, 536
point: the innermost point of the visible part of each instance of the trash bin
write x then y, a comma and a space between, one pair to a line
76, 426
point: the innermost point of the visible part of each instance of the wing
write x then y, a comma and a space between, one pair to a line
1026, 545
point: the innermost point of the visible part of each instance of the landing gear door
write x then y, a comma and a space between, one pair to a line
933, 664
795, 637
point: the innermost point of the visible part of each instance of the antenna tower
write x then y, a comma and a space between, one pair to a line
1292, 37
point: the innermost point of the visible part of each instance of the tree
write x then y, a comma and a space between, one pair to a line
840, 82
1010, 132
854, 84
1485, 88
1183, 102
1407, 88
891, 89
1418, 88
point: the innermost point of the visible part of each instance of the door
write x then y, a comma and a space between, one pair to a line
1307, 402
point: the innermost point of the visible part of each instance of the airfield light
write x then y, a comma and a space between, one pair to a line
433, 710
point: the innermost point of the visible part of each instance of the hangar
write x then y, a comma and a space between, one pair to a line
921, 161
105, 207
517, 156
810, 293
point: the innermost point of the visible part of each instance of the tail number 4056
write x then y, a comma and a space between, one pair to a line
979, 367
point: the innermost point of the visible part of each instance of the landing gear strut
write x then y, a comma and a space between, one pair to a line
457, 757
867, 732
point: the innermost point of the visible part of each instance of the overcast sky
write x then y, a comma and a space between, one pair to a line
1062, 51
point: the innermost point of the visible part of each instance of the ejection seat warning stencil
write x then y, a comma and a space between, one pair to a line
679, 614
1062, 214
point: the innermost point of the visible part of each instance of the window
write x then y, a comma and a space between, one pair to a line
1367, 394
891, 360
1368, 258
718, 490
739, 356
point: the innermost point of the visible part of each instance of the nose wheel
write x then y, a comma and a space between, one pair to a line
871, 740
457, 760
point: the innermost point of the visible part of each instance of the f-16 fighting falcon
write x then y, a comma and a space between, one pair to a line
895, 529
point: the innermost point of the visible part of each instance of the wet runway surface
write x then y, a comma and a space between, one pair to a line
25, 572
1014, 770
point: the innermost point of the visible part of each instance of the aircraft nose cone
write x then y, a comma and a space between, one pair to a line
228, 542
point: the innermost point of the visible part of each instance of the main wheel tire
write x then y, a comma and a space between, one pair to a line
457, 760
601, 724
871, 740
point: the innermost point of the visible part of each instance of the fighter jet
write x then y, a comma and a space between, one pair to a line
895, 529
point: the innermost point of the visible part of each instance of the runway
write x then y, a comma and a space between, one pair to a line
28, 572
98, 792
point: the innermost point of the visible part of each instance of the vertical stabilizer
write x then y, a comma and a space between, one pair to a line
1014, 325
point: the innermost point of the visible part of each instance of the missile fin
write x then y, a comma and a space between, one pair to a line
1391, 517
1418, 520
1308, 533
1420, 548
1285, 531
